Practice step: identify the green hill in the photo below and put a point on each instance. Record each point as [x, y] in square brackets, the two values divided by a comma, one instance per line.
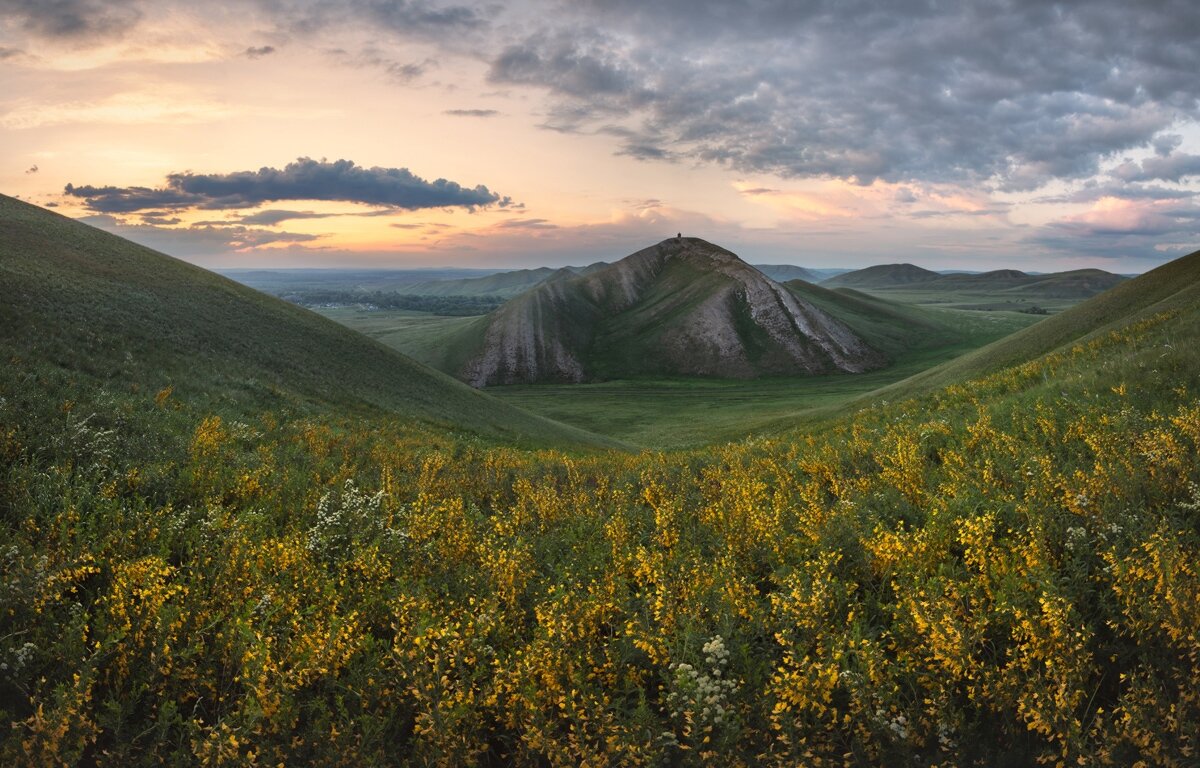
[1175, 285]
[89, 310]
[888, 326]
[1076, 284]
[882, 276]
[683, 307]
[999, 284]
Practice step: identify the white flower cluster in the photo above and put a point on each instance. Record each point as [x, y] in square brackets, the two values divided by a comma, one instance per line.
[700, 697]
[342, 516]
[1077, 539]
[898, 725]
[20, 658]
[946, 738]
[91, 446]
[243, 431]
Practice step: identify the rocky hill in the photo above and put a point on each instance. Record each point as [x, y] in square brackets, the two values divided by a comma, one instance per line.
[683, 307]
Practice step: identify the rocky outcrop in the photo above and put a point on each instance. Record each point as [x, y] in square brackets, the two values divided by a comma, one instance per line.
[681, 307]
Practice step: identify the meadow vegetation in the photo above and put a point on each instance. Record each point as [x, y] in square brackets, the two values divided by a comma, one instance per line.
[998, 572]
[994, 563]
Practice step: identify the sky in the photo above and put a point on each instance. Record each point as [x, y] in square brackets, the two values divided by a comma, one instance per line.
[420, 133]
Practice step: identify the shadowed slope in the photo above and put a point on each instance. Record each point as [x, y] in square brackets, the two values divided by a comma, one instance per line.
[84, 305]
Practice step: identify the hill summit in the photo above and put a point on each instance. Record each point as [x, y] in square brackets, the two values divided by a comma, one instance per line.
[683, 307]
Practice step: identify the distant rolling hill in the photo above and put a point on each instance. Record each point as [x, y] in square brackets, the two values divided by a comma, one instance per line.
[682, 307]
[781, 273]
[1173, 286]
[1079, 283]
[1076, 284]
[882, 276]
[505, 284]
[89, 310]
[502, 284]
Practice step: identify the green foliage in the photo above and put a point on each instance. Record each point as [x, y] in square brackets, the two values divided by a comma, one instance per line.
[1001, 571]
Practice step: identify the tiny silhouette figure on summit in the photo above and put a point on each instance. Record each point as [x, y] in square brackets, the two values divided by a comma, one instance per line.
[678, 235]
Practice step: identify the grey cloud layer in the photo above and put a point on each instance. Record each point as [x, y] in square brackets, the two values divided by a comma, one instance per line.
[1019, 93]
[305, 179]
[1015, 94]
[1174, 167]
[72, 19]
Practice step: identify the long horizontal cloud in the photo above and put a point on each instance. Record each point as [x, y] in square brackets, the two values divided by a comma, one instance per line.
[196, 240]
[305, 179]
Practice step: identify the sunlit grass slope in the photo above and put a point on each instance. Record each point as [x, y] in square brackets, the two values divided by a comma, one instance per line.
[82, 309]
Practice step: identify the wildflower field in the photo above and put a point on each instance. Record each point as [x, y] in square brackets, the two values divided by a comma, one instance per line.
[1004, 571]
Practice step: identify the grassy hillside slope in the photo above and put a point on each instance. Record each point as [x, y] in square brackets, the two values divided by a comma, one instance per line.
[1175, 285]
[85, 306]
[889, 326]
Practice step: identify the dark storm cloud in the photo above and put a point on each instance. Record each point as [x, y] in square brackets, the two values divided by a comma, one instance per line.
[1018, 94]
[471, 112]
[305, 179]
[1166, 144]
[259, 52]
[72, 19]
[406, 16]
[1091, 192]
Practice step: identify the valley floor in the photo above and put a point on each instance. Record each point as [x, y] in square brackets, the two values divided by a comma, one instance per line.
[672, 413]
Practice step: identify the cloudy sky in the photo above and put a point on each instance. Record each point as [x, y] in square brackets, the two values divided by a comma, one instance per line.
[427, 132]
